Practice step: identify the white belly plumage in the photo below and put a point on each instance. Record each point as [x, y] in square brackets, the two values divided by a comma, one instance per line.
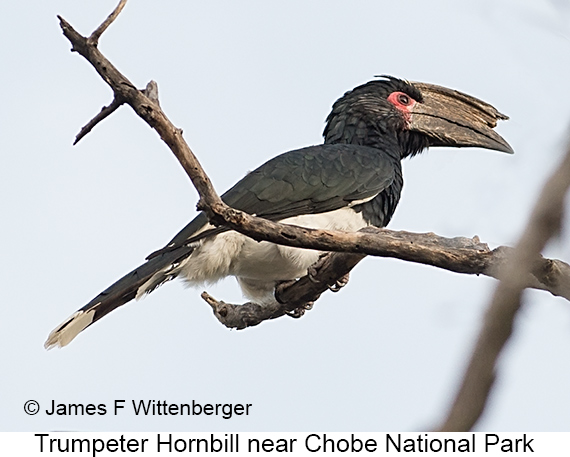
[259, 266]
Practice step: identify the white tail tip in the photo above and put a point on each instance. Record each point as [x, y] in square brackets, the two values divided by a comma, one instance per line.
[68, 330]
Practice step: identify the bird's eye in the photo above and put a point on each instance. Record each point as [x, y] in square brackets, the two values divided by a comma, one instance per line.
[403, 99]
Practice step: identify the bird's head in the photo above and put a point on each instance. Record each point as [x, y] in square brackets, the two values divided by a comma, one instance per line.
[415, 115]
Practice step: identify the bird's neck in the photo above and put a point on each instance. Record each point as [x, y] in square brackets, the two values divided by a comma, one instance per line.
[412, 143]
[349, 128]
[357, 131]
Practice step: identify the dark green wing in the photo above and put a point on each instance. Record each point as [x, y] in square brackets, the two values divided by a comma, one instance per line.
[311, 180]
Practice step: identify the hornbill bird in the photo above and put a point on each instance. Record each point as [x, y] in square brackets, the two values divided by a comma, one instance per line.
[351, 181]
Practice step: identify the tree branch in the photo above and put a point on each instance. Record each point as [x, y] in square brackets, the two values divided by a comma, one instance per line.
[544, 223]
[105, 112]
[94, 38]
[460, 255]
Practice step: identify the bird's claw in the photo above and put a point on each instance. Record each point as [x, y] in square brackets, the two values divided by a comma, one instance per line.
[339, 283]
[300, 311]
[313, 271]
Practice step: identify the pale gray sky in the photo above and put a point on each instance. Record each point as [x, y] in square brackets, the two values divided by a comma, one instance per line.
[246, 81]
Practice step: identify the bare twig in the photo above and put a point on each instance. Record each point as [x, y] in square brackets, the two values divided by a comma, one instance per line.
[106, 111]
[151, 91]
[544, 223]
[94, 38]
[242, 316]
[146, 108]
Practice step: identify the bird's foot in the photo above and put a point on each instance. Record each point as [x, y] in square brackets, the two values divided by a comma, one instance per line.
[297, 312]
[313, 270]
[300, 311]
[283, 285]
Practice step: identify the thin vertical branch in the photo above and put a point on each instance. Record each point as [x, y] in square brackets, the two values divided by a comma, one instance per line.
[544, 223]
[94, 38]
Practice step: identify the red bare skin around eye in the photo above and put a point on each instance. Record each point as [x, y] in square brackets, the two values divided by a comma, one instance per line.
[403, 102]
